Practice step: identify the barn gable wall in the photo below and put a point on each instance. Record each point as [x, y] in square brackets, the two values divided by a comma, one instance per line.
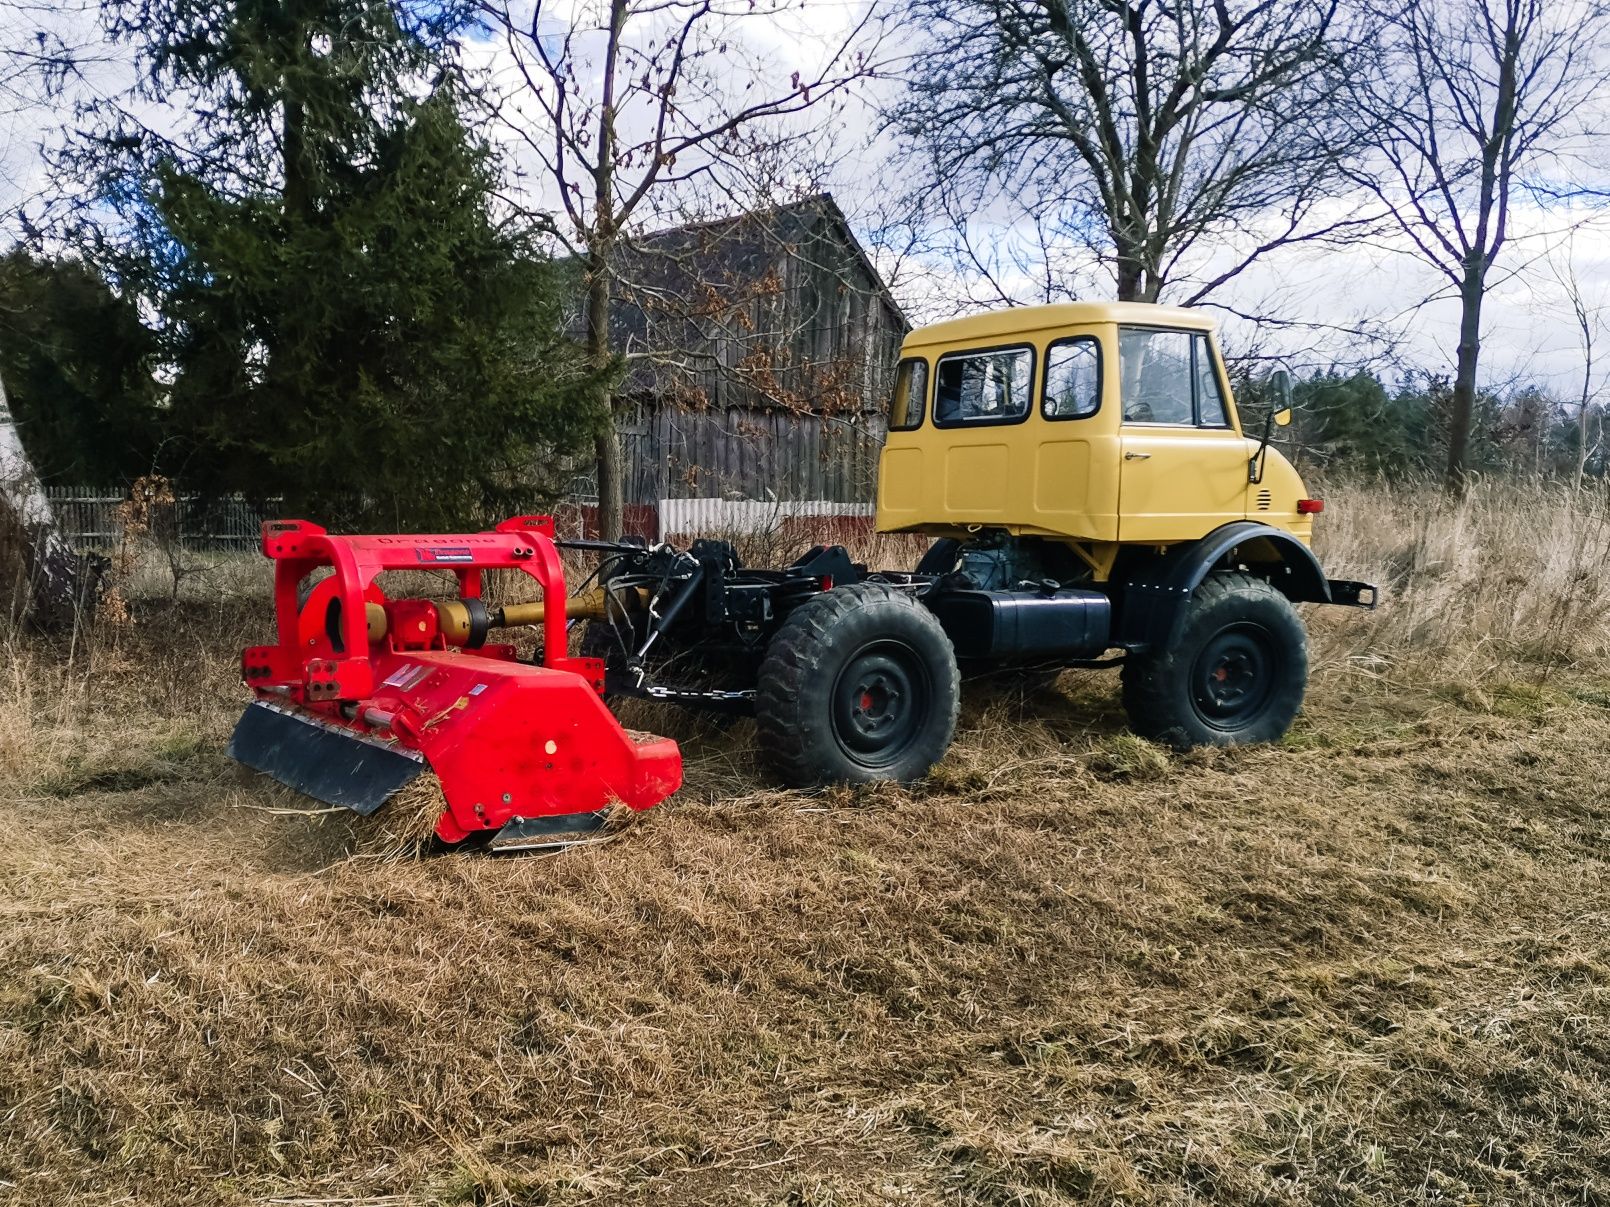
[759, 352]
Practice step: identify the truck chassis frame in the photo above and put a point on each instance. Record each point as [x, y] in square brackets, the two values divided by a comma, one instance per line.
[695, 627]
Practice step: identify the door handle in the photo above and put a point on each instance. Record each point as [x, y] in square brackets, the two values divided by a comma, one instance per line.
[1137, 456]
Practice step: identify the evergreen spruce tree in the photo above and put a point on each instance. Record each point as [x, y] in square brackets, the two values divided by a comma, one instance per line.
[76, 363]
[349, 321]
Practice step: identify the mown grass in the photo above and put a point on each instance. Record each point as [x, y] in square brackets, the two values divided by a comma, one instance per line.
[1368, 965]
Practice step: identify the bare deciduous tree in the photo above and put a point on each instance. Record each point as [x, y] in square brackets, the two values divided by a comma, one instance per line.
[48, 47]
[1592, 328]
[1470, 105]
[1157, 135]
[638, 99]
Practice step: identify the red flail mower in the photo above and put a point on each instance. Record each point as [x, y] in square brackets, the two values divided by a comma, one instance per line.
[363, 693]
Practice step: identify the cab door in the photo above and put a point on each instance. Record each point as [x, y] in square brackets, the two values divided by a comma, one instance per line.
[1076, 455]
[1184, 466]
[982, 400]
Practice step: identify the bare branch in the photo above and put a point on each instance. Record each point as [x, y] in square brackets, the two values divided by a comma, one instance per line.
[1172, 128]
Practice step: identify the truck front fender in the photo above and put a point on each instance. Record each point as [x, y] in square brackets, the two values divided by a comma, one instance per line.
[1151, 600]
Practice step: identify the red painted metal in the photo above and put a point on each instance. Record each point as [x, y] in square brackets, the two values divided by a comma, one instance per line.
[506, 739]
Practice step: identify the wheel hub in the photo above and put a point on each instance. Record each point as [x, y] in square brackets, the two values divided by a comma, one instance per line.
[1232, 681]
[879, 700]
[879, 703]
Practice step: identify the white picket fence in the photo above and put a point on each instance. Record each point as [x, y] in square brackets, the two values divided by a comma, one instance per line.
[87, 518]
[681, 518]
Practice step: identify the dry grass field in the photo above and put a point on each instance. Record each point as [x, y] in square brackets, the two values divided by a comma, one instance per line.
[1369, 965]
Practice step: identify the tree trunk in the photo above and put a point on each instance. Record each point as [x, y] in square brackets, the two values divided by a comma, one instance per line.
[1584, 407]
[1129, 277]
[1581, 443]
[296, 199]
[1138, 280]
[600, 287]
[50, 584]
[607, 445]
[1464, 384]
[611, 487]
[283, 384]
[1129, 265]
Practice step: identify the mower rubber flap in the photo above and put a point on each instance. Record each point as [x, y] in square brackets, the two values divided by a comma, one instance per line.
[332, 765]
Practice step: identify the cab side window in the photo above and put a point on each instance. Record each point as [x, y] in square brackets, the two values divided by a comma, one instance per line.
[1072, 378]
[909, 396]
[1155, 376]
[1168, 377]
[983, 387]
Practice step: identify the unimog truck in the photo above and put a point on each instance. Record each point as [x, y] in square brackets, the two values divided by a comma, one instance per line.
[1094, 500]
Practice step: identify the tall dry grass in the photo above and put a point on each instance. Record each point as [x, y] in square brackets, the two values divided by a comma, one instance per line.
[1366, 966]
[1510, 581]
[1511, 578]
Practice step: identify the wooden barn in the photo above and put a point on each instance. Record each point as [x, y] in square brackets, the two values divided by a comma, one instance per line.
[760, 351]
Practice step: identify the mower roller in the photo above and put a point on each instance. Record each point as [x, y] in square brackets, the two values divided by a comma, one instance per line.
[363, 693]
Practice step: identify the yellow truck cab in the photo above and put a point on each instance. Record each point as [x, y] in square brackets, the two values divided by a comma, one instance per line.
[1097, 424]
[1092, 488]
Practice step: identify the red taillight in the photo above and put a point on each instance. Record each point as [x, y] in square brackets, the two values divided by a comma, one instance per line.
[1310, 506]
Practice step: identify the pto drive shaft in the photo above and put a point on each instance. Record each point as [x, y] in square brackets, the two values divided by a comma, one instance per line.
[464, 622]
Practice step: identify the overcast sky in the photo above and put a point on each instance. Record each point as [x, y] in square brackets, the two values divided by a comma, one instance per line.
[1529, 332]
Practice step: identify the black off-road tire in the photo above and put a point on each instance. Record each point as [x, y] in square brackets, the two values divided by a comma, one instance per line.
[940, 557]
[598, 640]
[1235, 674]
[859, 684]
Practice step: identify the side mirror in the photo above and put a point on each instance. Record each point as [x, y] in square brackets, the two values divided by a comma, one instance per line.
[1280, 382]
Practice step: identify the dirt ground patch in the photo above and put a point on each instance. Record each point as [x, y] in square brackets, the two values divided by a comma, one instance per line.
[1370, 965]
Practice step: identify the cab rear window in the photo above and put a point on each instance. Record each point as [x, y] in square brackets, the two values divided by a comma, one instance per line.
[910, 395]
[991, 386]
[1072, 387]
